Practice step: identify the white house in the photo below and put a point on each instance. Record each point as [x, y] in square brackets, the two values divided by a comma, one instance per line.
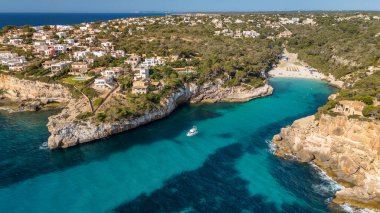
[41, 35]
[60, 48]
[13, 61]
[118, 53]
[60, 66]
[79, 55]
[98, 53]
[6, 54]
[113, 72]
[143, 73]
[83, 28]
[69, 41]
[61, 34]
[38, 43]
[106, 44]
[51, 41]
[15, 41]
[80, 67]
[309, 21]
[64, 27]
[151, 62]
[90, 39]
[133, 60]
[16, 65]
[250, 34]
[103, 82]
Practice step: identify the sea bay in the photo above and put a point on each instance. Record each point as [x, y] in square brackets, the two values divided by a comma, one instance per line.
[227, 167]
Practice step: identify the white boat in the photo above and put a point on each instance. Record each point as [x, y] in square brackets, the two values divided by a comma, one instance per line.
[193, 131]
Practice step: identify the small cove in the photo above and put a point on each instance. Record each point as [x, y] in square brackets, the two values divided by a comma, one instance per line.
[227, 167]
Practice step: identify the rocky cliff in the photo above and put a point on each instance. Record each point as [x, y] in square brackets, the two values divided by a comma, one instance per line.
[20, 89]
[347, 149]
[66, 131]
[215, 92]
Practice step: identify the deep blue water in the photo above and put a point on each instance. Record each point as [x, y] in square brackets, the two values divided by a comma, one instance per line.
[38, 19]
[227, 167]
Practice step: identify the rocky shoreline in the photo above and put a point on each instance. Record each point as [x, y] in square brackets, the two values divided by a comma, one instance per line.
[66, 131]
[348, 150]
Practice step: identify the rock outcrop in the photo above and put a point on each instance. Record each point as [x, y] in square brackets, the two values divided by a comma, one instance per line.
[215, 92]
[347, 149]
[23, 90]
[67, 131]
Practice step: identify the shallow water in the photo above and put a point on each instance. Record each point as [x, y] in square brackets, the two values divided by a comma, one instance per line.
[227, 167]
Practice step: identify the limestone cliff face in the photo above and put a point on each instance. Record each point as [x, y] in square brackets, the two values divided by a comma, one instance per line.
[214, 92]
[20, 90]
[347, 149]
[66, 131]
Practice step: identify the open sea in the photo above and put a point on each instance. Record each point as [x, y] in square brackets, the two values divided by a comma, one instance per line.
[38, 19]
[227, 167]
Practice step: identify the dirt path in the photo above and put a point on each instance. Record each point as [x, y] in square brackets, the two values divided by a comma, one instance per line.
[107, 97]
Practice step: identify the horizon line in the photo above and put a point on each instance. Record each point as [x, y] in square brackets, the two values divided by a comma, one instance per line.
[182, 12]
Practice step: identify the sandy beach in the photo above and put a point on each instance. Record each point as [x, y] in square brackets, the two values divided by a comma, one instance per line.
[291, 67]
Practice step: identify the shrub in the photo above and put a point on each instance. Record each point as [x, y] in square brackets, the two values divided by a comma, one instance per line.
[365, 99]
[84, 115]
[372, 111]
[324, 109]
[101, 117]
[98, 101]
[2, 91]
[90, 92]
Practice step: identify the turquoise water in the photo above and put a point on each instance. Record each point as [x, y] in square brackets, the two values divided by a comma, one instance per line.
[227, 167]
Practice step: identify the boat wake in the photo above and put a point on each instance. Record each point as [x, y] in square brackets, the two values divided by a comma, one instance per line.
[44, 146]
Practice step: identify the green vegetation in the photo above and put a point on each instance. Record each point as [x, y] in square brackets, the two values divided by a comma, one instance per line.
[2, 92]
[108, 61]
[339, 48]
[97, 102]
[346, 49]
[101, 117]
[89, 92]
[365, 90]
[212, 56]
[84, 115]
[325, 109]
[372, 111]
[337, 45]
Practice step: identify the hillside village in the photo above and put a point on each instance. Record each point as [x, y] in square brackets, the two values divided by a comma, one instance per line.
[103, 78]
[76, 48]
[153, 55]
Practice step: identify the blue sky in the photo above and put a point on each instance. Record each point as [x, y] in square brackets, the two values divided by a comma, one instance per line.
[183, 5]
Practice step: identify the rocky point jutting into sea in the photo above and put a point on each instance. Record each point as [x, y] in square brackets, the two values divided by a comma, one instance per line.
[67, 131]
[347, 149]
